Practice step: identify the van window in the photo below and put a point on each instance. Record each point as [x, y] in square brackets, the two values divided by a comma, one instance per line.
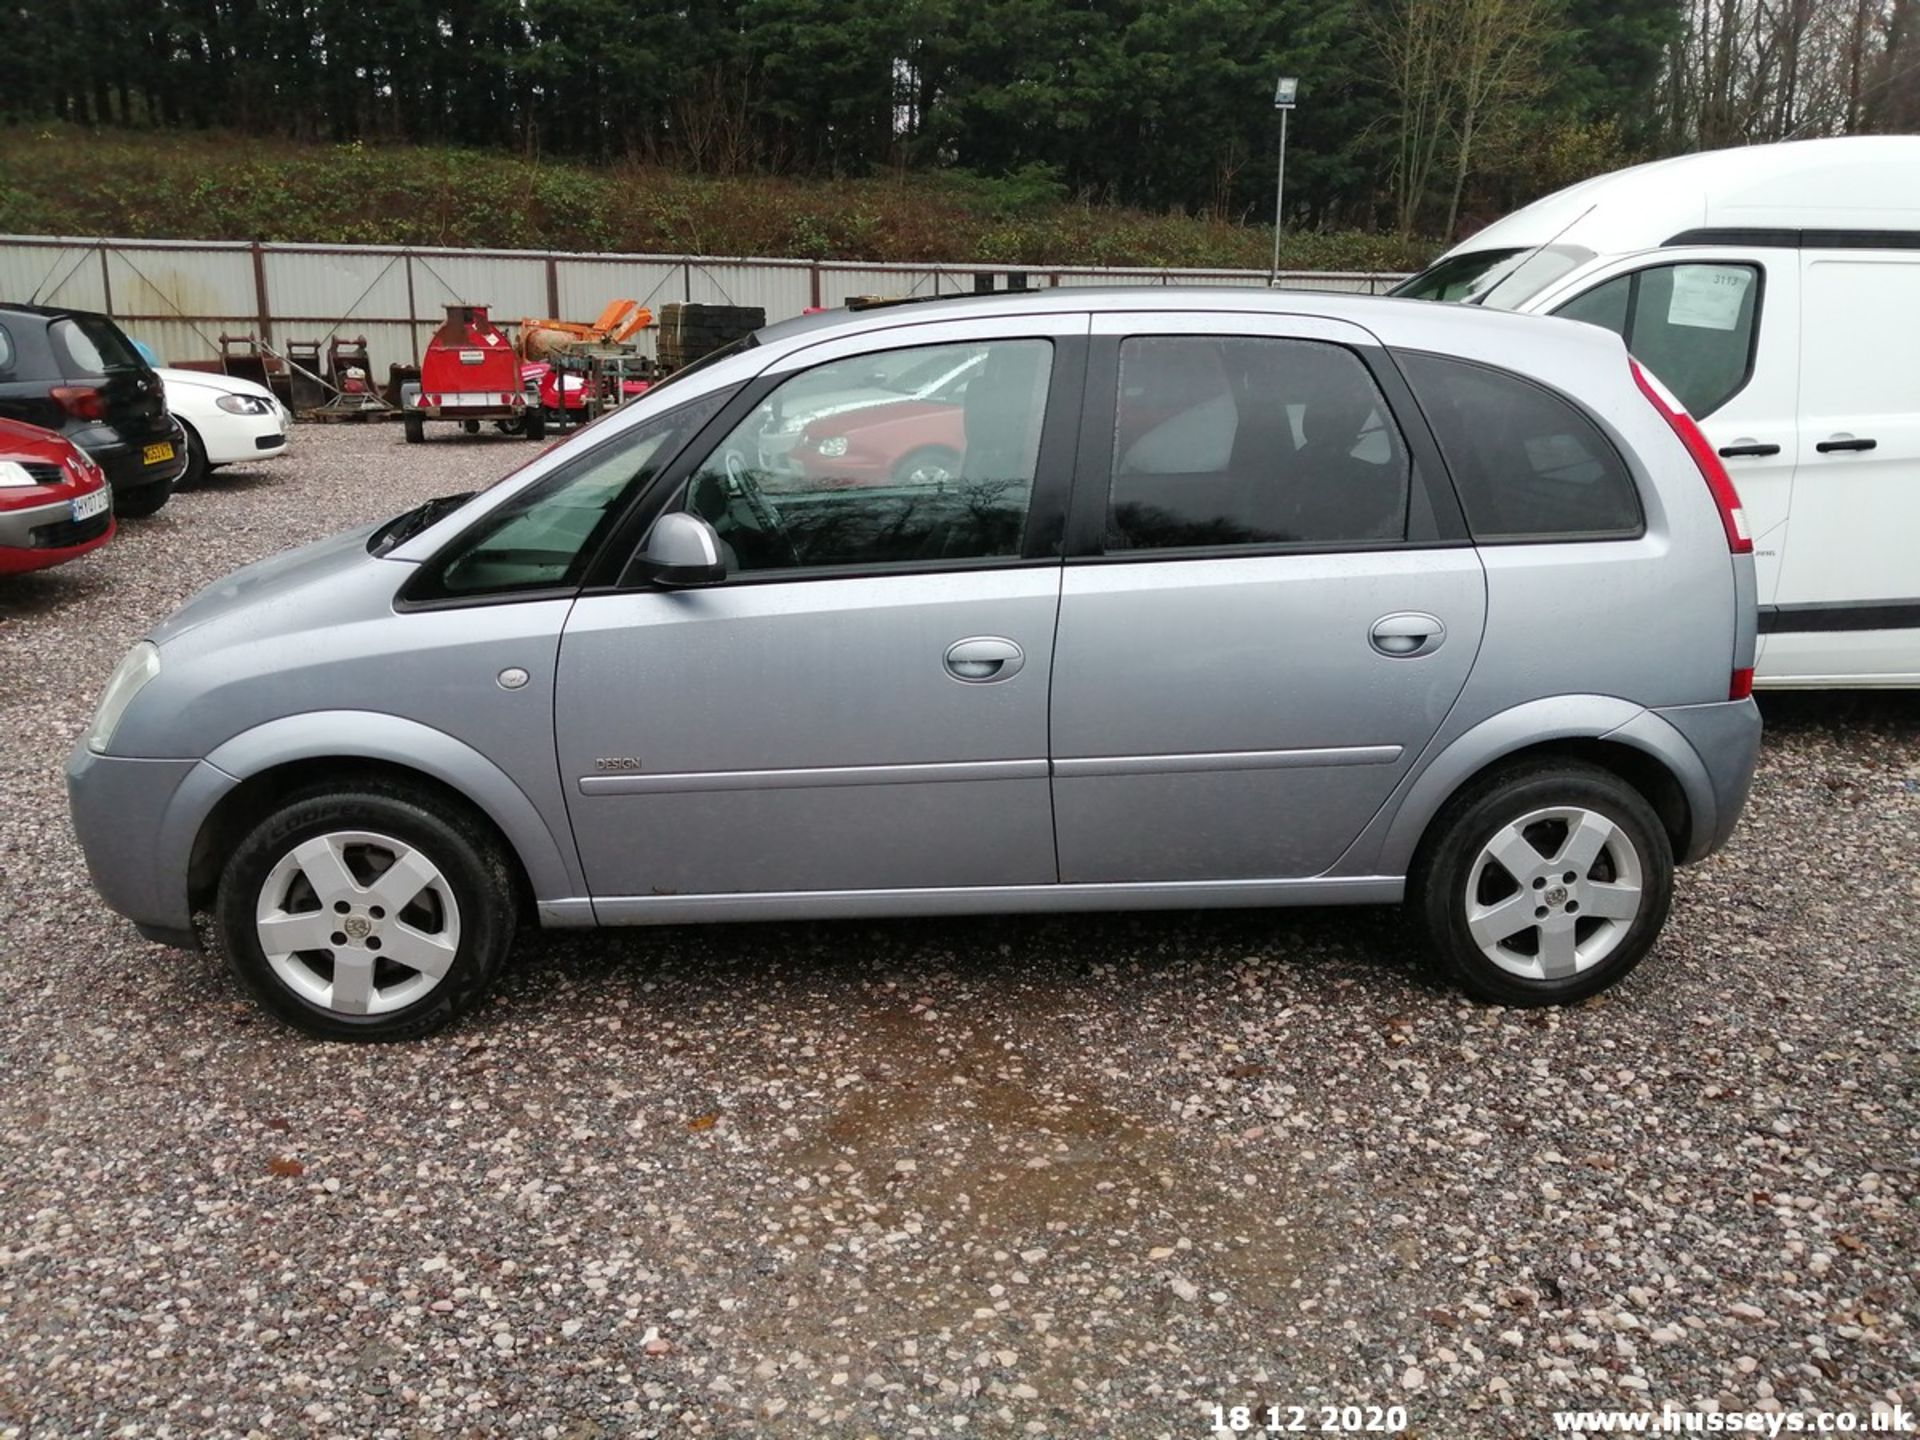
[1691, 324]
[1527, 464]
[1251, 441]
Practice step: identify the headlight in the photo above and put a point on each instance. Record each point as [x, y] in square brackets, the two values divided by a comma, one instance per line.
[834, 446]
[12, 473]
[244, 404]
[142, 663]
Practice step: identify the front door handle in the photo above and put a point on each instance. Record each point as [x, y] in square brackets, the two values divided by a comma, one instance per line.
[1747, 447]
[1409, 633]
[1844, 442]
[981, 658]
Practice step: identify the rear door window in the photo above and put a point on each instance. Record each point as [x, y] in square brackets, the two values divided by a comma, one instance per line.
[1251, 441]
[92, 345]
[1527, 463]
[1691, 324]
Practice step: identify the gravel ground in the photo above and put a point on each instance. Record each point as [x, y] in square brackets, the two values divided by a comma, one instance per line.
[1067, 1176]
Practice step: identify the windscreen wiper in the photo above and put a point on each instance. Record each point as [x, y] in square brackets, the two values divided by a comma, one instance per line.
[409, 523]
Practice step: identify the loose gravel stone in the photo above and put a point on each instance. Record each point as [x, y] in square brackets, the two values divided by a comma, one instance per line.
[1066, 1176]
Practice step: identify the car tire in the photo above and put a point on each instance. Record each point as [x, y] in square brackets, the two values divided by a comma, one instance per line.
[197, 466]
[1497, 859]
[142, 500]
[287, 880]
[416, 428]
[929, 465]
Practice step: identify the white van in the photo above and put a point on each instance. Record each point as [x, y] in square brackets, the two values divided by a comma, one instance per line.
[1776, 291]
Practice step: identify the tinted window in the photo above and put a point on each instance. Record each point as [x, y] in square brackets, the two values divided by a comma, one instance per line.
[544, 537]
[93, 345]
[834, 471]
[1692, 325]
[1528, 465]
[1246, 441]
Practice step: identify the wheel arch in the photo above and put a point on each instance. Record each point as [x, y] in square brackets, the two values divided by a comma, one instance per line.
[282, 756]
[1628, 740]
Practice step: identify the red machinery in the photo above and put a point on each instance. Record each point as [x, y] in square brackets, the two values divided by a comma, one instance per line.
[470, 374]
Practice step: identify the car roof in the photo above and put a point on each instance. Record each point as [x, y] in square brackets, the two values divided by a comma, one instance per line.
[1418, 324]
[46, 312]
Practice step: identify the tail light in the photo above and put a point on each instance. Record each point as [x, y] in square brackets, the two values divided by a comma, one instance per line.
[82, 402]
[1733, 515]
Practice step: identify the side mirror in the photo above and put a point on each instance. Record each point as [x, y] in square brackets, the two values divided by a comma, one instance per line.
[682, 550]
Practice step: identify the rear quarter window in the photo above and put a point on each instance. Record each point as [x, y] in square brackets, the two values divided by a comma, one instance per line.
[1527, 464]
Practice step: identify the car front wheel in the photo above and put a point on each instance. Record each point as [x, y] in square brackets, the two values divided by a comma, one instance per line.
[369, 914]
[1545, 883]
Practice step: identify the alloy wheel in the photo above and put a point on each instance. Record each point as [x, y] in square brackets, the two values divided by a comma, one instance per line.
[1554, 893]
[358, 923]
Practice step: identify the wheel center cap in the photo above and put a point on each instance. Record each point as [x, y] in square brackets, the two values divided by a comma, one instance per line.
[357, 927]
[1556, 895]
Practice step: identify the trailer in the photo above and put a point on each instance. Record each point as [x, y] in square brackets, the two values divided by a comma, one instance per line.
[470, 374]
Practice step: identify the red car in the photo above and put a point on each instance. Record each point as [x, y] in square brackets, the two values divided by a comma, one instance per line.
[55, 504]
[906, 442]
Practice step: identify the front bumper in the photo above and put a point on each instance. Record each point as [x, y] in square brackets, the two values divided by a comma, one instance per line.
[1726, 737]
[241, 439]
[137, 821]
[50, 525]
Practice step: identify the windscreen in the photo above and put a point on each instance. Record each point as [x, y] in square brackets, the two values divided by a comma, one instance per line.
[1458, 277]
[1503, 279]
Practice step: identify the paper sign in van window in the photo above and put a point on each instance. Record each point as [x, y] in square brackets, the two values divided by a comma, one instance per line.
[1708, 297]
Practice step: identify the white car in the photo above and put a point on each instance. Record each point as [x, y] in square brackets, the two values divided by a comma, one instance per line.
[228, 421]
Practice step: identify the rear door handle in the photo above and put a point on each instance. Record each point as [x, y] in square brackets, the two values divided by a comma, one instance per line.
[1747, 447]
[1844, 442]
[1406, 634]
[981, 658]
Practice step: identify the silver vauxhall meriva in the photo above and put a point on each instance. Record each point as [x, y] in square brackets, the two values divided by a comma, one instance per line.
[1181, 598]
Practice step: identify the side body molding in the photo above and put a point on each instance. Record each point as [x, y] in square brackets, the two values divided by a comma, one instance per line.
[548, 855]
[1387, 845]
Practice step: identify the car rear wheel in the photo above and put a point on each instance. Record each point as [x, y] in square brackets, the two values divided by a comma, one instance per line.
[368, 914]
[929, 465]
[1545, 883]
[141, 501]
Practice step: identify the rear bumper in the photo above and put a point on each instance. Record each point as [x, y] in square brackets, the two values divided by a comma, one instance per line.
[1726, 739]
[136, 821]
[126, 466]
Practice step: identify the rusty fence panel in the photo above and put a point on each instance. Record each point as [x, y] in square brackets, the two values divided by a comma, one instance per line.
[182, 296]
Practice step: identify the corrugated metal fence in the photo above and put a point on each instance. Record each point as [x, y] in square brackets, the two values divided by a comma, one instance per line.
[181, 296]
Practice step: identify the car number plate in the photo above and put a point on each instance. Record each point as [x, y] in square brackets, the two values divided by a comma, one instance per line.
[88, 506]
[158, 454]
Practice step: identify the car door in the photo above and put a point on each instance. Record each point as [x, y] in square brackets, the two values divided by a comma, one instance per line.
[1268, 605]
[1848, 604]
[862, 704]
[1720, 327]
